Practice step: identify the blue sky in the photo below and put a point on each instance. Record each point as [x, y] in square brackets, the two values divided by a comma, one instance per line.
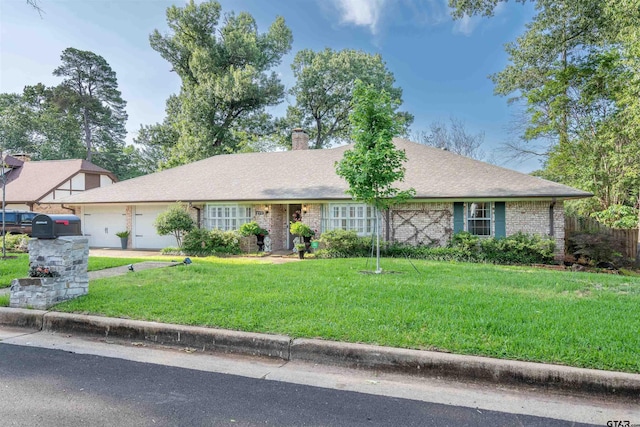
[442, 65]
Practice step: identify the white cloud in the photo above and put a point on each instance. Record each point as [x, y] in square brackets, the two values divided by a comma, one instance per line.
[362, 13]
[466, 25]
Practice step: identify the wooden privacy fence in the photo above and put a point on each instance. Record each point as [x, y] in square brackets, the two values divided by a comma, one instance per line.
[627, 237]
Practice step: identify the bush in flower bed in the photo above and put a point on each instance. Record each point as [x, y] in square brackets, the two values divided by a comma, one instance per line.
[201, 242]
[16, 242]
[519, 248]
[464, 247]
[343, 244]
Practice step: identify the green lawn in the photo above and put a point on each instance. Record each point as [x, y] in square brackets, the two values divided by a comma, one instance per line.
[578, 319]
[13, 268]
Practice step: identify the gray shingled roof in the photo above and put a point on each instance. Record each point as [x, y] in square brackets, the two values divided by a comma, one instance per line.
[28, 182]
[310, 175]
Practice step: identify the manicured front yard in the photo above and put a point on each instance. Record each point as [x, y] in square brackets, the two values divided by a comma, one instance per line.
[578, 319]
[17, 267]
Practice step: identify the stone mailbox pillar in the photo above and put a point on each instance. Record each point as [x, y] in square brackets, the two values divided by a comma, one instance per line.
[57, 270]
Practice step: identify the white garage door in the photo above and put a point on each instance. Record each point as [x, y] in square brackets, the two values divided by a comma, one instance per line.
[145, 235]
[101, 223]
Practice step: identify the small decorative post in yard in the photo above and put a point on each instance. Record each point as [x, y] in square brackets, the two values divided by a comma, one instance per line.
[57, 264]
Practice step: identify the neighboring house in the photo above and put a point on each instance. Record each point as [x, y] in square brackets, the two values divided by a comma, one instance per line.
[39, 185]
[453, 193]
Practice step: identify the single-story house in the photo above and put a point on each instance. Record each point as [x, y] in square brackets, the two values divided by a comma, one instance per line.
[453, 193]
[40, 185]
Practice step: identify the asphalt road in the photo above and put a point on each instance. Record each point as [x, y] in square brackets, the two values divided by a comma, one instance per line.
[45, 387]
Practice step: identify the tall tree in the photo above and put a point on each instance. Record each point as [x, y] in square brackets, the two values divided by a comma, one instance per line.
[453, 137]
[225, 72]
[324, 92]
[94, 86]
[39, 122]
[572, 68]
[374, 164]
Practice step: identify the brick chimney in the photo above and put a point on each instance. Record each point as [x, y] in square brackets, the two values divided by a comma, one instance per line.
[299, 139]
[23, 157]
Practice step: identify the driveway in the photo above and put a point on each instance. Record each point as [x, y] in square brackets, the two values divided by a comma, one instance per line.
[128, 253]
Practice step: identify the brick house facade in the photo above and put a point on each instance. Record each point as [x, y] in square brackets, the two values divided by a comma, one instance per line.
[452, 193]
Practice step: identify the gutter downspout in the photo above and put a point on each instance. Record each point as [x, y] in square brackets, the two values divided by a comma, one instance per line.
[198, 214]
[551, 219]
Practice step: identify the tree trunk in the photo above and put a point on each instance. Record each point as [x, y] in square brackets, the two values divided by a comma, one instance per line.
[378, 269]
[87, 135]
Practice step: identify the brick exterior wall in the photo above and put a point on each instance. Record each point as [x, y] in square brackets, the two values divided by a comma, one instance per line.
[421, 223]
[417, 223]
[313, 217]
[50, 208]
[432, 223]
[533, 218]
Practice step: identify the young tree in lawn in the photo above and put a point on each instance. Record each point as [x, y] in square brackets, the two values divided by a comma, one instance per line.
[175, 220]
[374, 164]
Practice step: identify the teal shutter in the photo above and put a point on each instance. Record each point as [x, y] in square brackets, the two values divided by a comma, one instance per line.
[458, 217]
[501, 223]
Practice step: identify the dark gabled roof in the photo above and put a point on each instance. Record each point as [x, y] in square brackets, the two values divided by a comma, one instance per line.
[310, 175]
[29, 182]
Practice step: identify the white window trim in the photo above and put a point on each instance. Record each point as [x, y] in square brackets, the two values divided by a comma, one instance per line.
[358, 217]
[227, 221]
[469, 219]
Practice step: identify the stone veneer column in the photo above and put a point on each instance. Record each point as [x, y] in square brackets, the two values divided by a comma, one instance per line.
[67, 258]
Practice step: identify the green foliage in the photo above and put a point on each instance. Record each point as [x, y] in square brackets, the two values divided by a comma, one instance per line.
[171, 250]
[374, 164]
[301, 229]
[226, 79]
[465, 241]
[575, 71]
[41, 121]
[83, 117]
[596, 247]
[618, 216]
[175, 220]
[123, 234]
[343, 244]
[252, 229]
[519, 248]
[403, 250]
[519, 313]
[324, 93]
[464, 247]
[201, 242]
[16, 242]
[93, 90]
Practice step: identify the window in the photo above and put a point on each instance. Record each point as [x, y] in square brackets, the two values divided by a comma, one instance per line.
[226, 217]
[9, 217]
[27, 218]
[357, 217]
[479, 218]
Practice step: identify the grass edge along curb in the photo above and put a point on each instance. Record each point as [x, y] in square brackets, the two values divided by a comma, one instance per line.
[415, 362]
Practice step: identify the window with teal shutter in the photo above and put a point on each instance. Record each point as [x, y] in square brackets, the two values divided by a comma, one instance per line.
[458, 217]
[501, 227]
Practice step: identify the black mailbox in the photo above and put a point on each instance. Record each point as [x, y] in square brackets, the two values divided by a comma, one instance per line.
[53, 226]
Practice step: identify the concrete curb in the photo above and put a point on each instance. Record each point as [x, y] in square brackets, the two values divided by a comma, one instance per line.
[205, 339]
[414, 362]
[498, 371]
[22, 318]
